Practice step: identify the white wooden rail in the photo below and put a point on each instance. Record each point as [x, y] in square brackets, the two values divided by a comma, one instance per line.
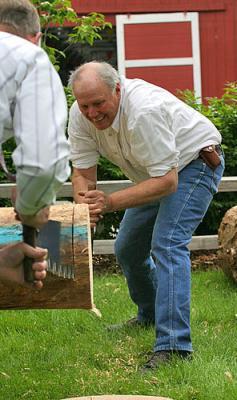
[206, 242]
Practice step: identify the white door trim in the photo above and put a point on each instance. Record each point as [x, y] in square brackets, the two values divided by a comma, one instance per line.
[192, 17]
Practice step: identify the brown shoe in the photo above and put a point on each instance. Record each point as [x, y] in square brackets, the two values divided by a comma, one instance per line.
[159, 358]
[131, 323]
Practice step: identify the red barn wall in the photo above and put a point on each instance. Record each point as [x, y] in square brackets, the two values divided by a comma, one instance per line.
[218, 32]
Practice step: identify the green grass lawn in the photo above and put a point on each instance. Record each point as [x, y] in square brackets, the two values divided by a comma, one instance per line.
[59, 354]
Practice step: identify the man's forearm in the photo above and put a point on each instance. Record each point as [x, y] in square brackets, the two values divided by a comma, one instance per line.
[82, 181]
[144, 192]
[147, 191]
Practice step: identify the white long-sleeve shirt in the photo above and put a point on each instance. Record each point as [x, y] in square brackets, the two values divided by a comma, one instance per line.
[152, 133]
[33, 109]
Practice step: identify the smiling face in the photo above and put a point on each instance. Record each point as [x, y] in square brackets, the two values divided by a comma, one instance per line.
[96, 100]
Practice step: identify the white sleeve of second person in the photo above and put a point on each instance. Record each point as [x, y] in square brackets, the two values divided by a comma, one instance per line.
[42, 152]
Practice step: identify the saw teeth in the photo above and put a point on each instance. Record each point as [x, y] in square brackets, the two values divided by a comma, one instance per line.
[63, 271]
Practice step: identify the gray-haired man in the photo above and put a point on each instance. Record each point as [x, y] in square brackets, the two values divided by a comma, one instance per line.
[172, 153]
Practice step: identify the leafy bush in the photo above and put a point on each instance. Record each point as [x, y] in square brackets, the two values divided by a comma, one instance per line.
[223, 113]
[60, 12]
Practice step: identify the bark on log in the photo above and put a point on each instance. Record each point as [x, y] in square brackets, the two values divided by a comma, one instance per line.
[75, 249]
[227, 236]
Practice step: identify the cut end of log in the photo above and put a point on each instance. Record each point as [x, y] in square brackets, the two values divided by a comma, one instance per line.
[75, 252]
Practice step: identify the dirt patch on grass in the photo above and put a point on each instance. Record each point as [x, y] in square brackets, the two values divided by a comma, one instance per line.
[201, 260]
[204, 260]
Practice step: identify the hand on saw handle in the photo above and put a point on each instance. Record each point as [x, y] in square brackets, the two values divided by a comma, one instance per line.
[35, 221]
[30, 225]
[11, 264]
[98, 202]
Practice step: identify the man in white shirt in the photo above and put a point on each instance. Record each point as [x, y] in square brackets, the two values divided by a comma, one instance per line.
[157, 141]
[33, 110]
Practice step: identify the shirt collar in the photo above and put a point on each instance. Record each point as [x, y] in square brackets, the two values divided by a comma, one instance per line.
[116, 122]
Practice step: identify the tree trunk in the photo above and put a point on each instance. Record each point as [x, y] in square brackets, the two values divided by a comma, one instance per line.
[227, 236]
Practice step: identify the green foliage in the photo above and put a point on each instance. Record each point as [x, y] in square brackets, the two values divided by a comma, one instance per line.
[109, 171]
[223, 113]
[69, 95]
[8, 148]
[88, 29]
[59, 12]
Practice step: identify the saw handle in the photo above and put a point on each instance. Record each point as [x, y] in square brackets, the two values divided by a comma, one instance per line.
[29, 237]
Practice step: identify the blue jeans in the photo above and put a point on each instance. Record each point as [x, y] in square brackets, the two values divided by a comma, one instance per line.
[152, 250]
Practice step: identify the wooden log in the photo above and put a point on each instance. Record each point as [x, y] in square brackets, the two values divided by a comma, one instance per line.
[227, 237]
[118, 397]
[75, 249]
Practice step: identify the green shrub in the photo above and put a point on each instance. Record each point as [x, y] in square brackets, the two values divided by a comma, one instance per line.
[86, 29]
[223, 113]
